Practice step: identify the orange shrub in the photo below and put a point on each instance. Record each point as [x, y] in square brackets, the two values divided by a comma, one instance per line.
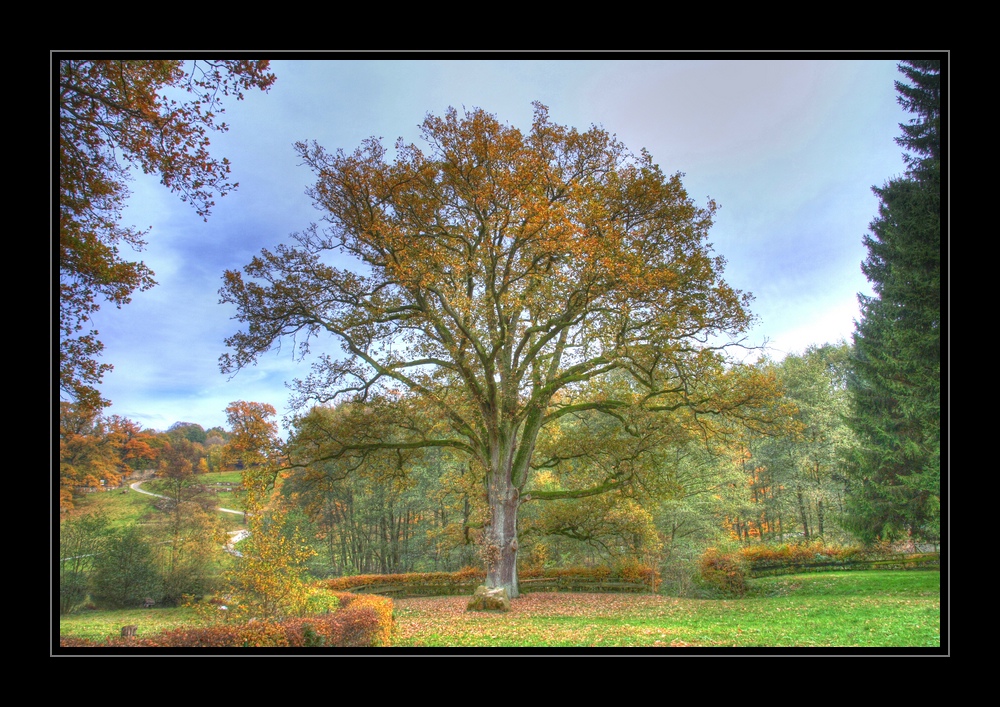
[759, 556]
[724, 572]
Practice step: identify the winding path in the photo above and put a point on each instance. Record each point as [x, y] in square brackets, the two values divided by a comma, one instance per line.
[234, 535]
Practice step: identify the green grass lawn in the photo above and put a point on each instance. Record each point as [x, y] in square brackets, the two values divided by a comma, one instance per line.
[827, 610]
[120, 508]
[98, 625]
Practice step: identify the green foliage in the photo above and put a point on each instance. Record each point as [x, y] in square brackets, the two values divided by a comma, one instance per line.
[896, 378]
[608, 528]
[796, 480]
[191, 431]
[268, 581]
[190, 552]
[186, 540]
[321, 602]
[81, 541]
[125, 572]
[382, 512]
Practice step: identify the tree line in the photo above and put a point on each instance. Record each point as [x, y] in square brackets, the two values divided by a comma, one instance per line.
[679, 489]
[99, 452]
[170, 554]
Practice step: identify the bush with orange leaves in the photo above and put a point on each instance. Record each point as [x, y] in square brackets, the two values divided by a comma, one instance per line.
[760, 558]
[725, 572]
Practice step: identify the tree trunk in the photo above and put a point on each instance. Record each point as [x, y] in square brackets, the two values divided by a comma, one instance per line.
[803, 514]
[500, 537]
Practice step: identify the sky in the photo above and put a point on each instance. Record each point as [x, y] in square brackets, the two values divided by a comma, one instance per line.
[788, 148]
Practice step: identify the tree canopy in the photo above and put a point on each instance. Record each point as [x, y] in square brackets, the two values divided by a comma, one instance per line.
[896, 372]
[501, 282]
[116, 115]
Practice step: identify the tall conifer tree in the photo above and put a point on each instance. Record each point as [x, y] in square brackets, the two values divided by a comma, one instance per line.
[896, 378]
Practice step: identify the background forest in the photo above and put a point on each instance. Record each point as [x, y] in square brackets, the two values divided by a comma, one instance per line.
[744, 485]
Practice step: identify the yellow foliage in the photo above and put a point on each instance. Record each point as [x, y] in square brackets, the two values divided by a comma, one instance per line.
[268, 580]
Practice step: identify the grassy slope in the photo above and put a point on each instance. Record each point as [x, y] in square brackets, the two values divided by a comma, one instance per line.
[124, 508]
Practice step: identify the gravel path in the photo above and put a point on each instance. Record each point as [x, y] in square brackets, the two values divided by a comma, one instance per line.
[234, 535]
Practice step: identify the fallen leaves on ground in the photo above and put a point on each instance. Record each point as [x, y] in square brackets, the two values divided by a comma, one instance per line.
[615, 620]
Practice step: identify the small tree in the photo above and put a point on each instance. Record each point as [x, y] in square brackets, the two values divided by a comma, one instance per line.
[190, 545]
[81, 542]
[125, 572]
[86, 456]
[268, 579]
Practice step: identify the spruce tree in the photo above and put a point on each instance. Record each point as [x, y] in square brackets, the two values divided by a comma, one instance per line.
[895, 384]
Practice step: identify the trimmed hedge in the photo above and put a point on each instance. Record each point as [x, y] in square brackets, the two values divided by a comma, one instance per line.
[627, 577]
[761, 557]
[445, 581]
[728, 571]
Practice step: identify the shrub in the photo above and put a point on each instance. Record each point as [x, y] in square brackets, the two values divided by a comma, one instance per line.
[468, 575]
[631, 570]
[81, 540]
[125, 573]
[723, 572]
[357, 607]
[321, 601]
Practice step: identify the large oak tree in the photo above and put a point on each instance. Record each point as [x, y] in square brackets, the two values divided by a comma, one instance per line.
[498, 279]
